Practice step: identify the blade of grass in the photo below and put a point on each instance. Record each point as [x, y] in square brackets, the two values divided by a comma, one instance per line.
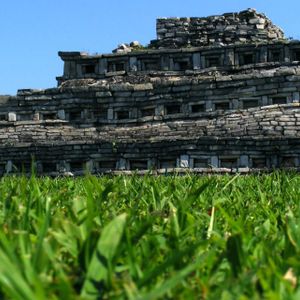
[102, 258]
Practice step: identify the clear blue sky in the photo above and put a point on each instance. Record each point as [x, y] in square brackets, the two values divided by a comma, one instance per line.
[33, 31]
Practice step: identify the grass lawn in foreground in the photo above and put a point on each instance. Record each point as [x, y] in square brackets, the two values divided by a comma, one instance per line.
[166, 237]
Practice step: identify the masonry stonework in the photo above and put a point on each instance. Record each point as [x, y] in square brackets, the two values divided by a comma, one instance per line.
[216, 94]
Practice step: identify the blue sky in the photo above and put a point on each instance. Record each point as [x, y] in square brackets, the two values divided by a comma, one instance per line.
[33, 31]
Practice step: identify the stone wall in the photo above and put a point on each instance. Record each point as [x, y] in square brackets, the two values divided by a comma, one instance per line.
[159, 98]
[227, 123]
[229, 59]
[247, 26]
[200, 155]
[269, 122]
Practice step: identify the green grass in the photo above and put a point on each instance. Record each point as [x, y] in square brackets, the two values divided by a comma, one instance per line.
[167, 237]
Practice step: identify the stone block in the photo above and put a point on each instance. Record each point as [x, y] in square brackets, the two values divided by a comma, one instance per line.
[151, 163]
[196, 61]
[67, 69]
[244, 161]
[209, 105]
[159, 110]
[184, 161]
[12, 117]
[9, 166]
[89, 166]
[102, 66]
[265, 100]
[103, 94]
[263, 54]
[36, 116]
[63, 166]
[133, 113]
[72, 69]
[61, 114]
[236, 104]
[133, 67]
[122, 164]
[229, 57]
[273, 161]
[165, 63]
[296, 97]
[143, 87]
[261, 26]
[171, 64]
[183, 88]
[121, 87]
[214, 162]
[79, 71]
[38, 166]
[110, 114]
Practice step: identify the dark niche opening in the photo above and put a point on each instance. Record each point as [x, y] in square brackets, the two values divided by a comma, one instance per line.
[49, 116]
[106, 165]
[111, 67]
[138, 165]
[198, 108]
[287, 162]
[100, 113]
[24, 117]
[120, 67]
[77, 165]
[213, 61]
[275, 56]
[148, 112]
[116, 66]
[75, 115]
[2, 168]
[21, 167]
[49, 167]
[279, 100]
[250, 103]
[122, 115]
[151, 65]
[172, 109]
[167, 164]
[3, 117]
[182, 65]
[247, 59]
[258, 162]
[89, 69]
[297, 55]
[229, 162]
[222, 105]
[200, 162]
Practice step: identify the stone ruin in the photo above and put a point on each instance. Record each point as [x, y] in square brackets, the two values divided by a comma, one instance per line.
[217, 94]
